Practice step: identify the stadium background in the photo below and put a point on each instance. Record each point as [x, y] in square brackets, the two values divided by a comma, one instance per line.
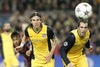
[59, 14]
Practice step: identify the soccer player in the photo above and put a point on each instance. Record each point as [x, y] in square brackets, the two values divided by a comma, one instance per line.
[27, 48]
[41, 36]
[6, 43]
[76, 40]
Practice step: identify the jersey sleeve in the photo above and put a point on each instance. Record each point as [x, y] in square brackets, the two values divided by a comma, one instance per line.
[27, 44]
[26, 32]
[66, 46]
[87, 45]
[50, 33]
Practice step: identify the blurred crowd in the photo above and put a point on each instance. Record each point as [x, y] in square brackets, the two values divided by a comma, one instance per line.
[59, 14]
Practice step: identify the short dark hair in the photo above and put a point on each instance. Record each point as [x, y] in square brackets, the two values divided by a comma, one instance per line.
[82, 20]
[35, 14]
[15, 34]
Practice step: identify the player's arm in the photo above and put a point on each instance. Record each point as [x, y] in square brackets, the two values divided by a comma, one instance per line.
[88, 46]
[29, 46]
[54, 39]
[88, 42]
[24, 40]
[67, 45]
[54, 44]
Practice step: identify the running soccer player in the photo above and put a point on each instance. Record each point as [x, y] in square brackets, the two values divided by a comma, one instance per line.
[41, 36]
[76, 40]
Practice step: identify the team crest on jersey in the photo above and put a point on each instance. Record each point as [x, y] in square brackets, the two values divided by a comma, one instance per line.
[44, 35]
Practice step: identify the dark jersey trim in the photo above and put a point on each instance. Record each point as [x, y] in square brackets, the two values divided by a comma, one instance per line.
[26, 32]
[1, 47]
[90, 34]
[50, 35]
[88, 43]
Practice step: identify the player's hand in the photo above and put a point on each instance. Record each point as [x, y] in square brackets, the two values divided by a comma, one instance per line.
[15, 50]
[19, 48]
[48, 57]
[90, 49]
[69, 65]
[28, 52]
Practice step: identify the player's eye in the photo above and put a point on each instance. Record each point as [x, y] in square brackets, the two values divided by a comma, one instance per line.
[38, 19]
[33, 20]
[85, 27]
[81, 27]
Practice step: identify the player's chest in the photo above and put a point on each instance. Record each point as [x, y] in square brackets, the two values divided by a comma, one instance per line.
[40, 37]
[81, 42]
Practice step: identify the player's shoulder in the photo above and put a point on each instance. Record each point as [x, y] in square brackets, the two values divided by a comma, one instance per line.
[49, 28]
[89, 32]
[70, 35]
[28, 27]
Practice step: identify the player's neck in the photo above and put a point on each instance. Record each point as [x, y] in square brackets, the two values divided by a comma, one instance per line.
[7, 32]
[37, 30]
[79, 34]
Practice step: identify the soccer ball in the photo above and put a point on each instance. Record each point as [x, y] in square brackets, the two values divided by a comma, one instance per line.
[83, 10]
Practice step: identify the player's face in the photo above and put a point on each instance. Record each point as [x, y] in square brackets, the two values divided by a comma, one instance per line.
[7, 27]
[16, 41]
[35, 21]
[82, 29]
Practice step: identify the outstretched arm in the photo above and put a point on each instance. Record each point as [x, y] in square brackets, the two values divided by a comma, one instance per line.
[24, 40]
